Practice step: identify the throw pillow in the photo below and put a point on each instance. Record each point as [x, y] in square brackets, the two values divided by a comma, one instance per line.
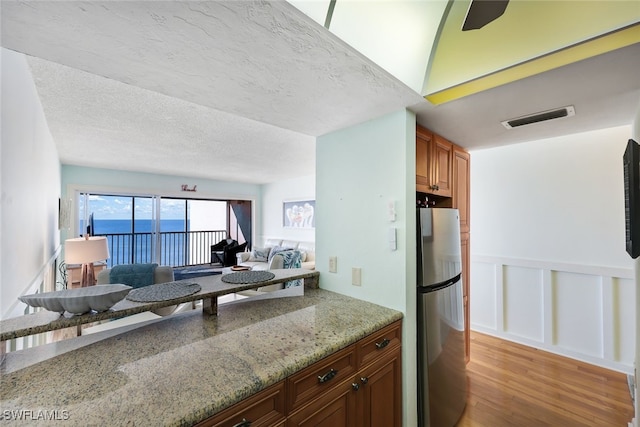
[292, 259]
[260, 254]
[275, 250]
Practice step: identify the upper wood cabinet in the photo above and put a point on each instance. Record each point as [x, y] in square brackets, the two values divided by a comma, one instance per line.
[433, 163]
[461, 185]
[424, 142]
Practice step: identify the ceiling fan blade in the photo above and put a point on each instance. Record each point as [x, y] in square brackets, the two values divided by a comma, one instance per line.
[481, 12]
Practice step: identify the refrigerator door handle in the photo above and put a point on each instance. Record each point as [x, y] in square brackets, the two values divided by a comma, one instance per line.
[440, 285]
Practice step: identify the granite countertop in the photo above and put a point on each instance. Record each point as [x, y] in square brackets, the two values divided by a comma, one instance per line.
[184, 368]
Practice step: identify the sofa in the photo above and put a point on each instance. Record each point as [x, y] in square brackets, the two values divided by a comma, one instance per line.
[262, 257]
[272, 257]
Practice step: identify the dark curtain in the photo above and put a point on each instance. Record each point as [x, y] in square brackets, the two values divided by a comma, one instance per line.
[242, 211]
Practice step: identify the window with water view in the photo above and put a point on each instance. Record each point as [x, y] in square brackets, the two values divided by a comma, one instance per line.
[167, 231]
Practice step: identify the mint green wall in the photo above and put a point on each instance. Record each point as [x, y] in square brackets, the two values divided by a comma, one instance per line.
[125, 182]
[359, 171]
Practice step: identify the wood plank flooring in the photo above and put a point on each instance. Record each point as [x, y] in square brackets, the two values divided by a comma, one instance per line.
[515, 385]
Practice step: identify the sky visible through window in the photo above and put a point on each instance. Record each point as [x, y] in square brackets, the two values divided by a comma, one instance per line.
[118, 209]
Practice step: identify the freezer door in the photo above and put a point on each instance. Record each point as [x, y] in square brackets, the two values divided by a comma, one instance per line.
[439, 256]
[441, 365]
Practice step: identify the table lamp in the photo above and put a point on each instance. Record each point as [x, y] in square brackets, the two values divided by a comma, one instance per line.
[86, 250]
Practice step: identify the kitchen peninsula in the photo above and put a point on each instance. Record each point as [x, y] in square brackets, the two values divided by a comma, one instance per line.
[182, 369]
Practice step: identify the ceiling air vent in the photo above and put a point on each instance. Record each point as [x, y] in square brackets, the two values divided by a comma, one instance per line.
[539, 117]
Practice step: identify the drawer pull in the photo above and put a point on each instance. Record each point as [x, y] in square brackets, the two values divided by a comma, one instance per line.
[382, 344]
[355, 386]
[326, 377]
[364, 380]
[243, 423]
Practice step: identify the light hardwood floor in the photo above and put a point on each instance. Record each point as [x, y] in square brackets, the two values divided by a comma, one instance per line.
[515, 385]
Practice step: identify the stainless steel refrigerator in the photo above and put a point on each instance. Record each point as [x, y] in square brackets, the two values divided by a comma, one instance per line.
[442, 383]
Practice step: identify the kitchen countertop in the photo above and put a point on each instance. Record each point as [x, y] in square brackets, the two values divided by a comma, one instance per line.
[181, 369]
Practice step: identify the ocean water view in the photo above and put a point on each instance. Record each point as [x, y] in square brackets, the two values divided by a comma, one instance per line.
[116, 226]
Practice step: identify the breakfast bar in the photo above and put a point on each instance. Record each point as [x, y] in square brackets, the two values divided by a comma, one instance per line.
[212, 287]
[184, 368]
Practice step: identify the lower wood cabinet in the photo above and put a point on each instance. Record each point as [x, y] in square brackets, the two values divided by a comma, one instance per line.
[264, 409]
[358, 386]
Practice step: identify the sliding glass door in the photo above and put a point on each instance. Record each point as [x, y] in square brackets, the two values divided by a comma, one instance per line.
[164, 230]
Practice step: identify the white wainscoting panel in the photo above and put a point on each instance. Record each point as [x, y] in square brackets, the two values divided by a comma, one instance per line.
[523, 302]
[483, 308]
[584, 312]
[623, 322]
[577, 312]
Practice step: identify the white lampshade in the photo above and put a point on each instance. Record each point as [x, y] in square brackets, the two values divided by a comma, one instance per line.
[82, 251]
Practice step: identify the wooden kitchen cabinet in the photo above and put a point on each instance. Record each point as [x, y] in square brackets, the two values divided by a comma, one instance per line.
[464, 248]
[424, 142]
[434, 158]
[335, 407]
[461, 184]
[461, 201]
[265, 408]
[358, 386]
[442, 170]
[380, 394]
[370, 397]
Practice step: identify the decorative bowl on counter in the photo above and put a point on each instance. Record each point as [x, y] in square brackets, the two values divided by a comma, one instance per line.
[79, 301]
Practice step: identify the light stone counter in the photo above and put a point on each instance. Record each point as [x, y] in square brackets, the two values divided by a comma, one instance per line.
[179, 370]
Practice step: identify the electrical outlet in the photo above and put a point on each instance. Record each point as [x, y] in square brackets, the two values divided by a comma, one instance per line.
[356, 276]
[333, 264]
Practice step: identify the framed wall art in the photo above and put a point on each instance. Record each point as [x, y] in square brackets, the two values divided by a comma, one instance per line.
[299, 214]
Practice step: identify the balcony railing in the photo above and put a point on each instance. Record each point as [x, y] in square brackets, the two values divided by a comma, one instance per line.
[176, 248]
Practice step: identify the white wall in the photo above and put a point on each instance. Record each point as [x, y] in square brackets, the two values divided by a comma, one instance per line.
[549, 267]
[273, 196]
[30, 179]
[365, 167]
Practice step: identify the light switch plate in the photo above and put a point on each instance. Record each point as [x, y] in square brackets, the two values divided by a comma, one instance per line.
[356, 276]
[333, 264]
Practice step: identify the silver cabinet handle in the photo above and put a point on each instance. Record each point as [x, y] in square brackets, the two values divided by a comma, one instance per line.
[355, 386]
[328, 376]
[382, 344]
[243, 423]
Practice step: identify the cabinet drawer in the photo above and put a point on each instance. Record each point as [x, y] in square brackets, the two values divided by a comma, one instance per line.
[265, 408]
[379, 343]
[320, 377]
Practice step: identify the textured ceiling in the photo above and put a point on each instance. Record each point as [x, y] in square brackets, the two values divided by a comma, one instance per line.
[239, 90]
[215, 89]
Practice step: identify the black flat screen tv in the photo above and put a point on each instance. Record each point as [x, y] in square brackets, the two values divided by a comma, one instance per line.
[631, 162]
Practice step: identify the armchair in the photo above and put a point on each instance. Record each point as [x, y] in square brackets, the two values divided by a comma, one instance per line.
[224, 252]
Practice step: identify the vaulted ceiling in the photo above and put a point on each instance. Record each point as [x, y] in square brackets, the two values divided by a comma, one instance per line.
[239, 90]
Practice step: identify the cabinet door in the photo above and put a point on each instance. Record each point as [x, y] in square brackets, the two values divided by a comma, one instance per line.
[380, 393]
[461, 180]
[265, 408]
[441, 166]
[336, 408]
[464, 248]
[424, 140]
